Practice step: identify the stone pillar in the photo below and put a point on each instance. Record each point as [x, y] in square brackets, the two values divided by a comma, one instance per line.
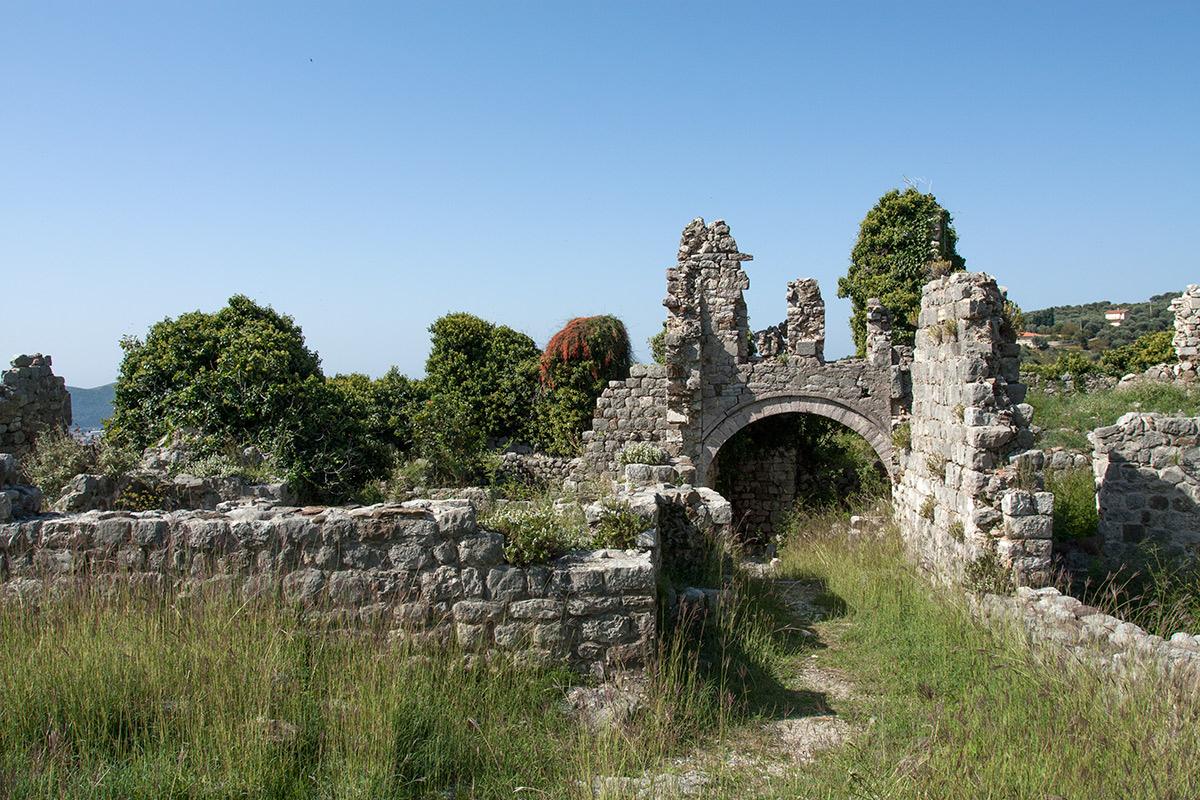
[1187, 326]
[805, 319]
[708, 332]
[879, 334]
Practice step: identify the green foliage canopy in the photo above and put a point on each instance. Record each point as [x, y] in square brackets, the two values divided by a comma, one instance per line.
[243, 376]
[905, 240]
[491, 370]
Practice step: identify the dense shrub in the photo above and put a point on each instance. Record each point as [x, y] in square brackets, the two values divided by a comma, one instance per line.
[535, 532]
[449, 440]
[489, 371]
[234, 372]
[1148, 351]
[244, 376]
[578, 363]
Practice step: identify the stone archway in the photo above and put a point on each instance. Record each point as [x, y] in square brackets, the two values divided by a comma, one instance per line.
[877, 434]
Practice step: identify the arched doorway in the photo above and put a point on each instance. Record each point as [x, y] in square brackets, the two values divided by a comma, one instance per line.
[785, 460]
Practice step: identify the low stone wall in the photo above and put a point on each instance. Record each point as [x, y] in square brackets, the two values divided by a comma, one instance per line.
[1084, 634]
[966, 484]
[32, 399]
[539, 468]
[1148, 486]
[425, 567]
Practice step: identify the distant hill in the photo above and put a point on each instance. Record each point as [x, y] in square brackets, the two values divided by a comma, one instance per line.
[90, 407]
[1145, 316]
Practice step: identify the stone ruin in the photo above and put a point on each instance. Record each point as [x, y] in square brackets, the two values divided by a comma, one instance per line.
[960, 386]
[1187, 331]
[32, 400]
[946, 417]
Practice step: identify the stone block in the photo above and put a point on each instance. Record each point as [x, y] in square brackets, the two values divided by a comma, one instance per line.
[1031, 527]
[536, 609]
[478, 611]
[605, 630]
[303, 585]
[443, 583]
[507, 583]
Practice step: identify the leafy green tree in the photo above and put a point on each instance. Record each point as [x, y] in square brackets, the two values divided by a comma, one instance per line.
[388, 405]
[490, 369]
[243, 376]
[234, 372]
[903, 242]
[578, 363]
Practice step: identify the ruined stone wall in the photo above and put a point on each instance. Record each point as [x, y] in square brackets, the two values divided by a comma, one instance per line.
[711, 387]
[762, 493]
[538, 468]
[1187, 328]
[426, 568]
[967, 483]
[1083, 634]
[32, 400]
[632, 410]
[1148, 486]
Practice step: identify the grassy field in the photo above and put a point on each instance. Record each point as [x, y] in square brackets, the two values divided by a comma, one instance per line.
[196, 698]
[1067, 418]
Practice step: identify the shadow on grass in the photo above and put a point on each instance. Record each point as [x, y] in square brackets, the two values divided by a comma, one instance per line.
[748, 649]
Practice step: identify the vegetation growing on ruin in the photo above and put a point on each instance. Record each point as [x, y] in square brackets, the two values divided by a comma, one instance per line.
[1066, 418]
[903, 242]
[576, 367]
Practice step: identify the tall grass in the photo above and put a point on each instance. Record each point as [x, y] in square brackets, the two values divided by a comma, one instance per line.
[1067, 418]
[206, 697]
[956, 711]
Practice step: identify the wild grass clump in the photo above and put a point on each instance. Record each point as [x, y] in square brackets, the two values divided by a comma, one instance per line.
[1067, 418]
[58, 456]
[116, 694]
[1075, 514]
[1161, 594]
[953, 710]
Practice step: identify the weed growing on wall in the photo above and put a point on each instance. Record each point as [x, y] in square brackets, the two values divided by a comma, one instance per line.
[618, 526]
[640, 453]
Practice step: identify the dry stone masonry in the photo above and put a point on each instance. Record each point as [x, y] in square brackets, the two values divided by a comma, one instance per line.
[32, 400]
[425, 568]
[711, 384]
[1148, 486]
[1083, 634]
[1187, 330]
[969, 485]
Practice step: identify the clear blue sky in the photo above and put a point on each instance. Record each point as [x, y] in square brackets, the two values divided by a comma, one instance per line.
[368, 167]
